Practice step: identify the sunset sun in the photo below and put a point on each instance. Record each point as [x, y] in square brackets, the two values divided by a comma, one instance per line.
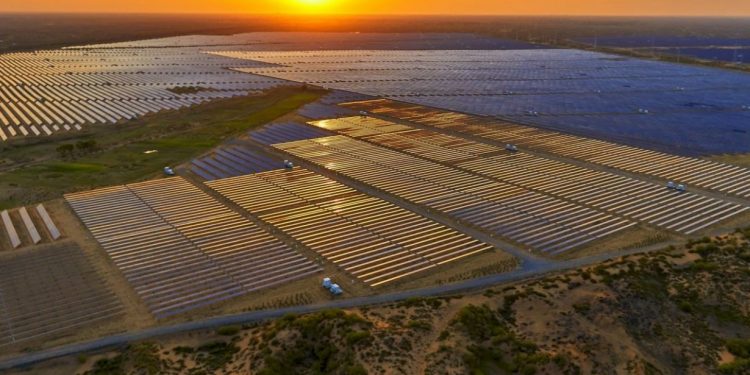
[313, 6]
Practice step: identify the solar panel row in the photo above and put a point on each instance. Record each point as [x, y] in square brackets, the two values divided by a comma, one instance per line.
[531, 219]
[635, 199]
[724, 178]
[371, 239]
[306, 41]
[180, 249]
[34, 227]
[285, 132]
[231, 161]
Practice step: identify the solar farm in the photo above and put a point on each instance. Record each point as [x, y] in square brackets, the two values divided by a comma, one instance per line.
[655, 105]
[427, 156]
[46, 92]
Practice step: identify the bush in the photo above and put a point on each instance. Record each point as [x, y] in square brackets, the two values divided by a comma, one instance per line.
[686, 306]
[738, 366]
[108, 366]
[443, 335]
[357, 369]
[87, 147]
[65, 151]
[316, 346]
[356, 337]
[739, 347]
[703, 266]
[216, 355]
[420, 325]
[145, 358]
[183, 350]
[228, 330]
[479, 322]
[582, 308]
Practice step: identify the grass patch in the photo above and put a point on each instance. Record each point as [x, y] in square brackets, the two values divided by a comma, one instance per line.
[34, 172]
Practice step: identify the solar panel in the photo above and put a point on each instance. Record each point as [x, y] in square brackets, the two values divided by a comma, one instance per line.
[180, 249]
[374, 241]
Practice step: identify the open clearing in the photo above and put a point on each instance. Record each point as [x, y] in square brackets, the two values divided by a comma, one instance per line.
[37, 172]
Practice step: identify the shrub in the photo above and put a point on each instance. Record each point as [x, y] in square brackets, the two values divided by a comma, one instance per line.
[356, 369]
[739, 347]
[216, 354]
[420, 324]
[65, 150]
[356, 337]
[443, 335]
[183, 350]
[703, 266]
[738, 366]
[228, 330]
[108, 366]
[145, 358]
[582, 308]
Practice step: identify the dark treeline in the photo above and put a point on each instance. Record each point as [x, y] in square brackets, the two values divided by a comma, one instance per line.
[20, 32]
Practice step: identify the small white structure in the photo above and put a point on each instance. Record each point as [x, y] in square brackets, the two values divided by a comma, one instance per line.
[169, 171]
[327, 283]
[335, 289]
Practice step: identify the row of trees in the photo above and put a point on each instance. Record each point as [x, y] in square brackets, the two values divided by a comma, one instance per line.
[70, 150]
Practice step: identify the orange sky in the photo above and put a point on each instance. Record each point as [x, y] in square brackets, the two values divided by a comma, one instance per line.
[551, 7]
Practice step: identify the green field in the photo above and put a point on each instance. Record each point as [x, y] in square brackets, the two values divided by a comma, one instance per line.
[33, 172]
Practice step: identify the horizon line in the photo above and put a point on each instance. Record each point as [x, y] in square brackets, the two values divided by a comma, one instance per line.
[246, 14]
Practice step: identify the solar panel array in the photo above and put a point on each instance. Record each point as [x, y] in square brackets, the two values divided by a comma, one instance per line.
[733, 50]
[50, 291]
[235, 160]
[624, 196]
[320, 111]
[180, 249]
[669, 107]
[371, 239]
[532, 219]
[706, 174]
[64, 90]
[285, 132]
[27, 227]
[303, 41]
